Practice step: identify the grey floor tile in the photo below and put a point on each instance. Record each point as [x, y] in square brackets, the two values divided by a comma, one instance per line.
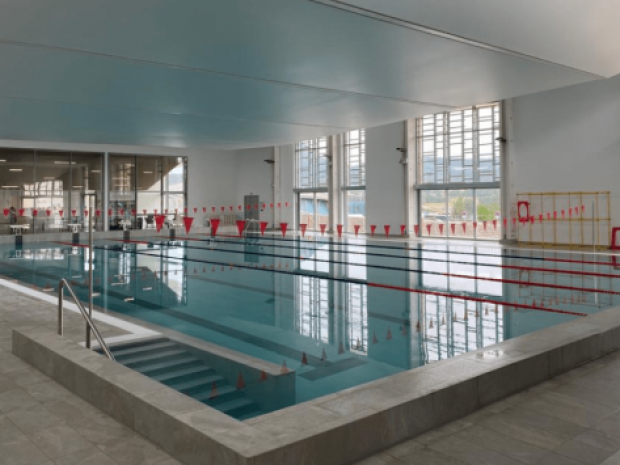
[101, 429]
[598, 439]
[90, 456]
[510, 447]
[33, 418]
[134, 451]
[8, 430]
[532, 427]
[579, 392]
[567, 408]
[16, 399]
[582, 452]
[21, 451]
[71, 409]
[378, 459]
[6, 384]
[470, 452]
[557, 459]
[428, 456]
[48, 390]
[404, 448]
[59, 441]
[27, 377]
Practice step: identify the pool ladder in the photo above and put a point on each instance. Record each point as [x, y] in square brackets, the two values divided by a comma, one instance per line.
[91, 325]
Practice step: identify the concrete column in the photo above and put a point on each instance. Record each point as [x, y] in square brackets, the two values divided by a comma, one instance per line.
[410, 168]
[333, 181]
[277, 187]
[106, 191]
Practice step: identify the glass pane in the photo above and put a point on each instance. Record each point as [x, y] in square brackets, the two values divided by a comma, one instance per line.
[306, 210]
[461, 207]
[322, 208]
[356, 211]
[174, 205]
[434, 214]
[17, 186]
[86, 175]
[489, 213]
[122, 188]
[173, 169]
[149, 174]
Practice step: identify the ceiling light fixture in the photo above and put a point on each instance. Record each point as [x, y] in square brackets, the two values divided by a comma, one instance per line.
[17, 170]
[10, 187]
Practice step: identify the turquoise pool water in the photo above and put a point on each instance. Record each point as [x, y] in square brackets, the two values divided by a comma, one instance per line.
[336, 312]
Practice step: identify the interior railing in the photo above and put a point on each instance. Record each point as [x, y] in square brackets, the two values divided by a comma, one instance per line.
[61, 285]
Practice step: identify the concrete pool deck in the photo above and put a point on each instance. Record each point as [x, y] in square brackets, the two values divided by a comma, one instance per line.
[361, 421]
[577, 411]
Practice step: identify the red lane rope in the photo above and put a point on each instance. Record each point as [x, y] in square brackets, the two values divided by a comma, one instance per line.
[526, 283]
[475, 299]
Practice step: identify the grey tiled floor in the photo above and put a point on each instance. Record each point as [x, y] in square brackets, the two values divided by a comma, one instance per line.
[571, 420]
[41, 423]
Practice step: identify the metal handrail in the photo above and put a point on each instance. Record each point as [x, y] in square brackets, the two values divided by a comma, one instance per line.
[61, 285]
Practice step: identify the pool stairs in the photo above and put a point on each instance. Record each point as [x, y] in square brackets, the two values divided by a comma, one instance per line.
[169, 363]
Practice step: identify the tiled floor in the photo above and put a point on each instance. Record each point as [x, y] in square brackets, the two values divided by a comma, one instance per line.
[571, 420]
[41, 423]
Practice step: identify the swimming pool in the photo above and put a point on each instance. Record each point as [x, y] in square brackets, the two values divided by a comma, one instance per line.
[337, 313]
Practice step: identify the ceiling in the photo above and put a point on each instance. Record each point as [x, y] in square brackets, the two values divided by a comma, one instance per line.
[233, 74]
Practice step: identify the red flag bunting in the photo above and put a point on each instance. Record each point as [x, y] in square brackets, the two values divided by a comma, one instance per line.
[188, 221]
[283, 228]
[303, 227]
[263, 227]
[386, 228]
[357, 229]
[339, 230]
[373, 227]
[322, 226]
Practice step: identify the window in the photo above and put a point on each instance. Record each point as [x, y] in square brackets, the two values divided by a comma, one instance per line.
[312, 163]
[459, 176]
[355, 180]
[460, 146]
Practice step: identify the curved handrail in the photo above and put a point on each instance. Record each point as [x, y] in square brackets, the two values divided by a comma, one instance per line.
[61, 285]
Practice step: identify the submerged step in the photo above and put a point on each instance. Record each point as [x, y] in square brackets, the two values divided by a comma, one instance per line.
[142, 349]
[142, 360]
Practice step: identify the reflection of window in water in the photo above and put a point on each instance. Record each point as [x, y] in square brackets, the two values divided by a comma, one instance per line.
[312, 307]
[357, 317]
[456, 326]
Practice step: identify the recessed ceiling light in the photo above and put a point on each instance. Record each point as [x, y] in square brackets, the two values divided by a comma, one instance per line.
[77, 187]
[2, 161]
[63, 162]
[95, 171]
[17, 170]
[10, 187]
[49, 178]
[147, 172]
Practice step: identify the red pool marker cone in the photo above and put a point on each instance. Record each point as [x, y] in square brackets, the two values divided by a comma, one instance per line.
[373, 227]
[495, 225]
[416, 230]
[159, 222]
[555, 215]
[283, 228]
[339, 230]
[302, 227]
[403, 227]
[284, 369]
[214, 392]
[35, 212]
[263, 227]
[240, 227]
[304, 359]
[215, 223]
[323, 226]
[6, 212]
[386, 228]
[389, 335]
[356, 228]
[323, 355]
[484, 225]
[74, 212]
[475, 224]
[563, 214]
[570, 212]
[187, 222]
[374, 338]
[340, 349]
[240, 382]
[441, 228]
[548, 216]
[428, 228]
[21, 211]
[262, 377]
[464, 226]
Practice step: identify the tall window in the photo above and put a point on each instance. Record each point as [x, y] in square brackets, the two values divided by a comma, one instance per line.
[311, 188]
[460, 146]
[459, 173]
[312, 163]
[355, 179]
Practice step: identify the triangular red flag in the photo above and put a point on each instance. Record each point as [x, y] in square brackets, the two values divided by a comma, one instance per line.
[356, 228]
[240, 382]
[240, 227]
[159, 222]
[263, 376]
[322, 226]
[215, 223]
[283, 228]
[263, 227]
[188, 221]
[303, 227]
[453, 228]
[373, 227]
[386, 228]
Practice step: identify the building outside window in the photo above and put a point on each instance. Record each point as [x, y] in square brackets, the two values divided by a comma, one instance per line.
[459, 173]
[312, 168]
[355, 180]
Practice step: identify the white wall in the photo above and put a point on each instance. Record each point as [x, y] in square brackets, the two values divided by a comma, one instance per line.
[385, 177]
[568, 140]
[254, 176]
[211, 178]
